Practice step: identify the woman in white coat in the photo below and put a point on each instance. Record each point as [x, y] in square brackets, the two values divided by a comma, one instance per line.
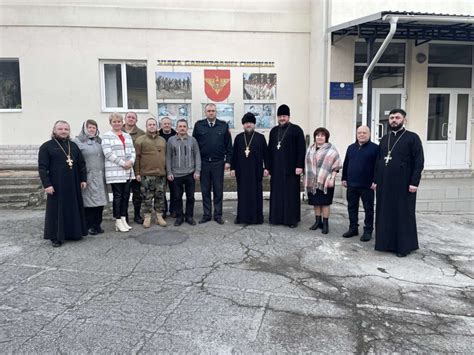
[119, 155]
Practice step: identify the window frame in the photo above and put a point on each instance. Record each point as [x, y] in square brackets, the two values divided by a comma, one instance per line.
[13, 110]
[123, 68]
[400, 65]
[436, 65]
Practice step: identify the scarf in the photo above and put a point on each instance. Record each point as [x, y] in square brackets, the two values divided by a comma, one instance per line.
[320, 163]
[85, 137]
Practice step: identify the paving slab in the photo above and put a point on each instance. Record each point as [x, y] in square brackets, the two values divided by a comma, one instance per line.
[235, 289]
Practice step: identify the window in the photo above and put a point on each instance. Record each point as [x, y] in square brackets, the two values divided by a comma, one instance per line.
[382, 77]
[389, 72]
[10, 92]
[450, 66]
[450, 54]
[394, 53]
[449, 77]
[124, 86]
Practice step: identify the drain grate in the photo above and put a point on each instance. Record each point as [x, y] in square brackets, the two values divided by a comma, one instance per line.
[162, 237]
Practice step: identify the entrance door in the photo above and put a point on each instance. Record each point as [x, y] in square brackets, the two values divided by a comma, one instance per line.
[447, 138]
[383, 101]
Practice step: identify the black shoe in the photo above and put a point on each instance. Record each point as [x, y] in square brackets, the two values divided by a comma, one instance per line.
[204, 220]
[99, 230]
[173, 214]
[292, 226]
[366, 237]
[350, 233]
[219, 220]
[56, 243]
[179, 221]
[317, 223]
[401, 255]
[190, 221]
[92, 231]
[137, 218]
[325, 229]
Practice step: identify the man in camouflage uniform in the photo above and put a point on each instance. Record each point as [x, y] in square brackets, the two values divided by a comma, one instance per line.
[150, 170]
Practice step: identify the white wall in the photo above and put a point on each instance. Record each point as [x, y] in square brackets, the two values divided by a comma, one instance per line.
[60, 70]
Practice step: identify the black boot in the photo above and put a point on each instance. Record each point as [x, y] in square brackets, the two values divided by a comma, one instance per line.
[325, 229]
[317, 224]
[137, 218]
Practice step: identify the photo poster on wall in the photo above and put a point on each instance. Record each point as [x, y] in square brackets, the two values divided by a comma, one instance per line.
[264, 114]
[173, 85]
[260, 86]
[175, 112]
[225, 112]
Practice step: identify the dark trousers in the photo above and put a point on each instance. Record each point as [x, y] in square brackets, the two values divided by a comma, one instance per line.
[137, 197]
[172, 191]
[121, 193]
[184, 184]
[94, 217]
[212, 177]
[367, 197]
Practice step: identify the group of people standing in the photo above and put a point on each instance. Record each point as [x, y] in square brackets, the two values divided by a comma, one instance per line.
[146, 162]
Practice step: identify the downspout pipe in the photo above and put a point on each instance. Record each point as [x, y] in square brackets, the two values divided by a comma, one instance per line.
[365, 90]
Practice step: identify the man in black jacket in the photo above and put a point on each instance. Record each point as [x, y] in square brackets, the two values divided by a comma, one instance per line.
[215, 145]
[358, 178]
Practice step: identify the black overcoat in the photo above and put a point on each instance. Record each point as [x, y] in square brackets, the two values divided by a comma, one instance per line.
[395, 222]
[64, 218]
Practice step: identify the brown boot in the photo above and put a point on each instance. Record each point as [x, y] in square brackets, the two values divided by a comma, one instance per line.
[160, 220]
[147, 220]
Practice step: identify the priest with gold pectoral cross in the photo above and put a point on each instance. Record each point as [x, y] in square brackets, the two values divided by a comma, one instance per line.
[63, 174]
[397, 176]
[286, 151]
[249, 163]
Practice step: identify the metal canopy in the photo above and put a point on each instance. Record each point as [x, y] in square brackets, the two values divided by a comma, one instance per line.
[421, 27]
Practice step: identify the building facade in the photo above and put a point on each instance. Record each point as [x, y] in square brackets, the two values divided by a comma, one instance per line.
[80, 60]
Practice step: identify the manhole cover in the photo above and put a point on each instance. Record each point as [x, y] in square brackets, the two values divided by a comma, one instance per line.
[162, 237]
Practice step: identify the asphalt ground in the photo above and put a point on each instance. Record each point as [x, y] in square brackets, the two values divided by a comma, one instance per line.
[235, 289]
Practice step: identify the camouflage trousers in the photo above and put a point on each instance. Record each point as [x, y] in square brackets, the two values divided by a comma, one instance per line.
[153, 189]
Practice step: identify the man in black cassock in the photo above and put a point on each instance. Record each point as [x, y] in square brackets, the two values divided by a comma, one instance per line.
[63, 174]
[287, 149]
[248, 160]
[397, 176]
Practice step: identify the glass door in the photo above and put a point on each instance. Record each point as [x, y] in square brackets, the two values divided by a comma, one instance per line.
[383, 101]
[447, 135]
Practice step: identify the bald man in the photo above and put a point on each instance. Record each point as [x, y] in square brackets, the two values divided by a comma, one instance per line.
[358, 178]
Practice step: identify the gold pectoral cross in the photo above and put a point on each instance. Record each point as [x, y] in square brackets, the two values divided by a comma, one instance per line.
[279, 145]
[247, 152]
[69, 161]
[387, 158]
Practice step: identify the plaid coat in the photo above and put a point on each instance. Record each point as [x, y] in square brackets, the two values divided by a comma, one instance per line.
[116, 156]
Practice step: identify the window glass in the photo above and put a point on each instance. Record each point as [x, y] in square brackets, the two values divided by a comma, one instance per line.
[382, 77]
[394, 53]
[137, 93]
[10, 92]
[449, 77]
[450, 54]
[113, 85]
[461, 119]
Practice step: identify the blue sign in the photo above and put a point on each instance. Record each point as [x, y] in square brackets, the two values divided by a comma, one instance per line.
[341, 91]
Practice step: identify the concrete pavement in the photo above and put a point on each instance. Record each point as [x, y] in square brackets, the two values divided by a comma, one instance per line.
[235, 289]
